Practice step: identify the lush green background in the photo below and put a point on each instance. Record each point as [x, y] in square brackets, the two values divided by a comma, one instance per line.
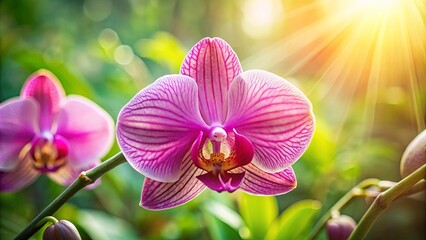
[107, 50]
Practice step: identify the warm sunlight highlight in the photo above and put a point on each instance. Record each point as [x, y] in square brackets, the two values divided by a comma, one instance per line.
[360, 48]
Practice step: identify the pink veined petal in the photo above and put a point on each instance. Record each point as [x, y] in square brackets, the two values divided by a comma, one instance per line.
[18, 124]
[227, 182]
[213, 64]
[160, 195]
[47, 90]
[258, 182]
[274, 115]
[19, 177]
[88, 129]
[157, 127]
[67, 174]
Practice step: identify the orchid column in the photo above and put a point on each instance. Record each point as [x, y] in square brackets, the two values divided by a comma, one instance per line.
[216, 126]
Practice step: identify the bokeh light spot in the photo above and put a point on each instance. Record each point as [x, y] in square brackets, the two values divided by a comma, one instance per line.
[97, 10]
[123, 55]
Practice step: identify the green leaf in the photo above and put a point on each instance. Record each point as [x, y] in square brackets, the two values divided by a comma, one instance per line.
[295, 221]
[225, 214]
[219, 227]
[100, 225]
[258, 213]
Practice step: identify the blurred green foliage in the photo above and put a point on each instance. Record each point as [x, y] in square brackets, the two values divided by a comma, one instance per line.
[107, 50]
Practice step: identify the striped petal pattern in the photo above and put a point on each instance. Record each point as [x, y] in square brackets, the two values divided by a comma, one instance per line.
[45, 89]
[258, 182]
[213, 64]
[160, 195]
[158, 126]
[274, 115]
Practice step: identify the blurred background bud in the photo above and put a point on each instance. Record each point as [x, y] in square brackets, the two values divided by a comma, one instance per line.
[414, 155]
[62, 230]
[340, 228]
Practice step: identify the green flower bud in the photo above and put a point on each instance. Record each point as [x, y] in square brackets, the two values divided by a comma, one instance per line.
[414, 156]
[62, 230]
[340, 228]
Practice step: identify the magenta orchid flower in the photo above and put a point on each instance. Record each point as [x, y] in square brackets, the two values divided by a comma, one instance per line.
[44, 132]
[216, 126]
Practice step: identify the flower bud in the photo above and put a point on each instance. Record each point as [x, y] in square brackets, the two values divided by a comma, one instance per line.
[414, 155]
[340, 228]
[62, 230]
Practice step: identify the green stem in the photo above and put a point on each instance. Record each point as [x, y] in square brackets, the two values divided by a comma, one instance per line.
[45, 220]
[85, 179]
[383, 200]
[418, 187]
[357, 191]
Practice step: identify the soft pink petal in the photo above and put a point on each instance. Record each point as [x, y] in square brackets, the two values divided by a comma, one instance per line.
[213, 64]
[18, 124]
[67, 174]
[274, 115]
[157, 127]
[227, 182]
[19, 177]
[258, 182]
[88, 129]
[47, 90]
[159, 195]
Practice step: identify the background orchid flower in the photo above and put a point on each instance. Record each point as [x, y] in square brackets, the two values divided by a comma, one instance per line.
[216, 126]
[44, 132]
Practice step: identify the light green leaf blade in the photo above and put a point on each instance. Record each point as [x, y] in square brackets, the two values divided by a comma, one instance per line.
[295, 221]
[222, 222]
[102, 226]
[258, 213]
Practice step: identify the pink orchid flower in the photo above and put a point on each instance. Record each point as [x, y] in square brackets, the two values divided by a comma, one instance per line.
[44, 132]
[216, 126]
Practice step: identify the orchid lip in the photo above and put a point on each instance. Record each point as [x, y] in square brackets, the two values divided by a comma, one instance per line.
[48, 153]
[217, 166]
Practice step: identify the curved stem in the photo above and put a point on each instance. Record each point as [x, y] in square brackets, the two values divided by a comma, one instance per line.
[85, 179]
[357, 191]
[45, 220]
[416, 188]
[383, 200]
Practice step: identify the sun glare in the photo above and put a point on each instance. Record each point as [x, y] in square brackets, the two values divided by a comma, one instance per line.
[357, 48]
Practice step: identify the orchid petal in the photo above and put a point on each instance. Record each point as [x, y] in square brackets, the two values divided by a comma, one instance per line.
[222, 182]
[258, 182]
[241, 154]
[88, 129]
[213, 64]
[18, 123]
[197, 153]
[21, 176]
[47, 90]
[159, 195]
[274, 115]
[67, 174]
[157, 127]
